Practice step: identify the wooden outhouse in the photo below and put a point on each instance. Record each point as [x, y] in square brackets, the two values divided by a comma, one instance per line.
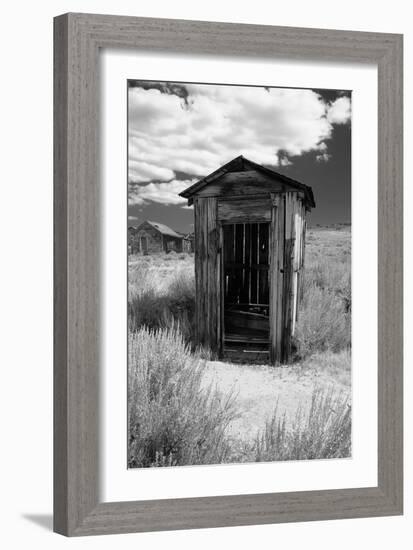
[250, 227]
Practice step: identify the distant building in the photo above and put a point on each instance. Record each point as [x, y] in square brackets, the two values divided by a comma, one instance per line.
[189, 242]
[152, 238]
[131, 238]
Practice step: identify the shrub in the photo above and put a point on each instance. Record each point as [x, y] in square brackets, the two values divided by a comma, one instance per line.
[172, 419]
[323, 322]
[325, 432]
[170, 256]
[326, 364]
[138, 277]
[173, 306]
[333, 276]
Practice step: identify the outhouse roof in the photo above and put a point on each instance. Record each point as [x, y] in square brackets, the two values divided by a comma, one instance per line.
[241, 164]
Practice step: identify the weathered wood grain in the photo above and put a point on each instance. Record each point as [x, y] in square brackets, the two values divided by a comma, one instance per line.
[61, 494]
[77, 278]
[246, 210]
[280, 285]
[197, 262]
[77, 504]
[287, 297]
[214, 291]
[241, 176]
[273, 276]
[207, 274]
[241, 183]
[220, 285]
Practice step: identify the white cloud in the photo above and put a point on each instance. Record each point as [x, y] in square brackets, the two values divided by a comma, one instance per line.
[217, 123]
[165, 193]
[132, 218]
[143, 171]
[323, 157]
[340, 111]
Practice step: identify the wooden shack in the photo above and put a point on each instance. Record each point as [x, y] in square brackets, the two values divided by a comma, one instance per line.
[189, 242]
[153, 237]
[250, 227]
[131, 240]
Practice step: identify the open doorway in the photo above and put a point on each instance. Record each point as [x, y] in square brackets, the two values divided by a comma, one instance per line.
[246, 285]
[144, 245]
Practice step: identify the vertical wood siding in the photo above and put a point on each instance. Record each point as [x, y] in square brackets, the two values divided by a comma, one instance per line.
[264, 263]
[276, 275]
[286, 271]
[208, 274]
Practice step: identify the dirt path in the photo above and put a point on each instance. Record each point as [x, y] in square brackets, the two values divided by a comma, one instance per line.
[259, 387]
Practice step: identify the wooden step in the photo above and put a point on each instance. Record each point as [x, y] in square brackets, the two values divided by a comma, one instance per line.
[245, 339]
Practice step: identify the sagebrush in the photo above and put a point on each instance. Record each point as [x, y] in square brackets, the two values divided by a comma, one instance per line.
[322, 431]
[166, 306]
[172, 420]
[324, 318]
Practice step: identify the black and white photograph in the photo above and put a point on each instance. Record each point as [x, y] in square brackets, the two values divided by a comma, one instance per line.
[239, 274]
[204, 336]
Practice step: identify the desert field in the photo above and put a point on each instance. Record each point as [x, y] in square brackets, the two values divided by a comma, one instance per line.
[186, 407]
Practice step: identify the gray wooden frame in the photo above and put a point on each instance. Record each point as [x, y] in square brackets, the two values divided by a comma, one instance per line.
[77, 506]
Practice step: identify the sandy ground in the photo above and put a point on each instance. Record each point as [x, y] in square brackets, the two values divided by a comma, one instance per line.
[259, 387]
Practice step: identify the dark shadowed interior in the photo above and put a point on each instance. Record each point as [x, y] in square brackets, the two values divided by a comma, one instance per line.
[246, 285]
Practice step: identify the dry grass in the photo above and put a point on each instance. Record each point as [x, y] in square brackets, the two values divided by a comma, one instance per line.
[162, 293]
[258, 387]
[157, 271]
[175, 418]
[328, 365]
[324, 320]
[172, 420]
[162, 297]
[324, 431]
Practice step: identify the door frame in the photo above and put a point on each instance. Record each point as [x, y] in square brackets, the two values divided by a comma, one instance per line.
[221, 270]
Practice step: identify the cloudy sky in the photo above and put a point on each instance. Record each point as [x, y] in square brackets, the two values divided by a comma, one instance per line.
[179, 133]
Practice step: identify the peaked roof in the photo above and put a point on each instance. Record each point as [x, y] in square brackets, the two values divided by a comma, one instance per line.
[239, 164]
[164, 229]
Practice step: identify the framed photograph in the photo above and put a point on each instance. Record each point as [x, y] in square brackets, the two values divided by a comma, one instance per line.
[228, 274]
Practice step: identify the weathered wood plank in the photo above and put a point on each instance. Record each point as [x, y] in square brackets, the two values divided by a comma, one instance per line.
[276, 276]
[253, 260]
[209, 277]
[220, 286]
[246, 294]
[228, 232]
[198, 270]
[207, 273]
[297, 260]
[280, 275]
[213, 278]
[241, 183]
[204, 287]
[300, 274]
[288, 297]
[286, 276]
[244, 210]
[263, 296]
